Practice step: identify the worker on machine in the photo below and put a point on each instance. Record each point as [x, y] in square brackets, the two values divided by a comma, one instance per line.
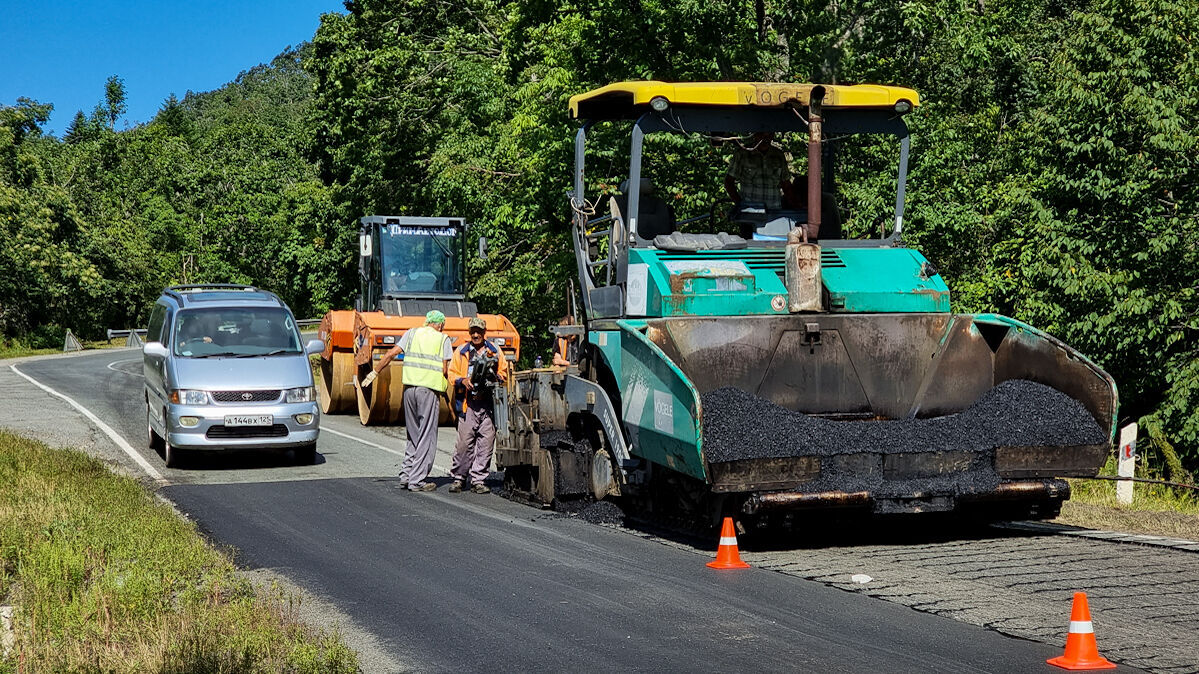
[759, 173]
[566, 347]
[427, 353]
[477, 367]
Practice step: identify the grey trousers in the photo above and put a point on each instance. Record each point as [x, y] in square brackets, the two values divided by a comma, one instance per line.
[420, 419]
[476, 439]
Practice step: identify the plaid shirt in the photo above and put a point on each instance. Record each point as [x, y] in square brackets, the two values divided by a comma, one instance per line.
[758, 174]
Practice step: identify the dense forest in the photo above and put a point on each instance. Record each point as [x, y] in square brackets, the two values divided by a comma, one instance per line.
[1053, 177]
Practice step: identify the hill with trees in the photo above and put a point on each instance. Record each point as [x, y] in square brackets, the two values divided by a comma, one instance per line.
[1053, 175]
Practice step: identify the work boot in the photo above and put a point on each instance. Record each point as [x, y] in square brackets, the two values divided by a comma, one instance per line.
[480, 488]
[427, 486]
[456, 487]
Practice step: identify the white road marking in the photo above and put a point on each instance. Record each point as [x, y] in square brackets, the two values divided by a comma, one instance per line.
[127, 360]
[112, 435]
[368, 443]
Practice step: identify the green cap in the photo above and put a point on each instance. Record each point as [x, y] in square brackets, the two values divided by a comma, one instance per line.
[435, 316]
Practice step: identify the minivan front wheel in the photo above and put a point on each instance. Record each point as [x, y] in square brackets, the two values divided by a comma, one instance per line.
[173, 456]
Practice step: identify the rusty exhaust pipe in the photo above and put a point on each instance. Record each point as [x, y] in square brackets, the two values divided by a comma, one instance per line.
[788, 500]
[815, 140]
[1040, 490]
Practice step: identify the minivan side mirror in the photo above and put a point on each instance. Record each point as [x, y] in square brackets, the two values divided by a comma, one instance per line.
[155, 349]
[314, 346]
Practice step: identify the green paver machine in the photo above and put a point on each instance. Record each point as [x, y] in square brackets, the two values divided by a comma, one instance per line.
[786, 309]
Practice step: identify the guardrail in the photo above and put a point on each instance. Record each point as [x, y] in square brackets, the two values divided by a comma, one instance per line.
[141, 332]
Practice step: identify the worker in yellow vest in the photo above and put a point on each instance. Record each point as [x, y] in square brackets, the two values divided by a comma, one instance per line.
[427, 353]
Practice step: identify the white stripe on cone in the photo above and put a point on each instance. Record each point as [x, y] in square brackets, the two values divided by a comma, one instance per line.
[732, 540]
[1081, 627]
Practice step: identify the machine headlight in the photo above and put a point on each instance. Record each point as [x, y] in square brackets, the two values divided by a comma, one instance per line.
[188, 397]
[659, 103]
[499, 341]
[389, 339]
[304, 394]
[903, 106]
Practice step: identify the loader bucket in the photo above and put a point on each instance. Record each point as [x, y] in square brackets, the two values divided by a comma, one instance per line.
[880, 367]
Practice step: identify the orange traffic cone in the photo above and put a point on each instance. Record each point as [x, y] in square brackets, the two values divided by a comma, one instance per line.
[1081, 650]
[727, 556]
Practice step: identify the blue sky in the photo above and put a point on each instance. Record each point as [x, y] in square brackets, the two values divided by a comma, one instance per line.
[62, 52]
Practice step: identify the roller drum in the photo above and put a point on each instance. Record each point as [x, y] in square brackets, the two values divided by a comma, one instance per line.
[382, 401]
[336, 383]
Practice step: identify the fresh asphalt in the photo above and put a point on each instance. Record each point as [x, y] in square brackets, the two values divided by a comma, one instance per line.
[477, 582]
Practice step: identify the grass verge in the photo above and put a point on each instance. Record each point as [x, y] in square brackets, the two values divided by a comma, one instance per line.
[15, 349]
[106, 578]
[1156, 509]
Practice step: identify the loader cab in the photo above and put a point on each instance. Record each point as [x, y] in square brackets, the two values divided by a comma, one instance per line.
[413, 260]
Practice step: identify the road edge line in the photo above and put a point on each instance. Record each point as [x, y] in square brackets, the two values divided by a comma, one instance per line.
[376, 445]
[121, 442]
[368, 443]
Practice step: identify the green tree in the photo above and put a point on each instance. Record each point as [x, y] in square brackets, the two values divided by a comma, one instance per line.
[114, 100]
[174, 119]
[79, 130]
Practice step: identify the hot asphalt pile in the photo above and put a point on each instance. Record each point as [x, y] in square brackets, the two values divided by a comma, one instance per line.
[740, 425]
[595, 512]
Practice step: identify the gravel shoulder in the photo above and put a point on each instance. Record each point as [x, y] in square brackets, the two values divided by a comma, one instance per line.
[1144, 600]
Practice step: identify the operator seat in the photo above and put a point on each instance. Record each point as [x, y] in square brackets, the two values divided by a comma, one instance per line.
[830, 217]
[655, 216]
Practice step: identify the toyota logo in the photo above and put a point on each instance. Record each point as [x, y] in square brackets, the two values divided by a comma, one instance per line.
[247, 396]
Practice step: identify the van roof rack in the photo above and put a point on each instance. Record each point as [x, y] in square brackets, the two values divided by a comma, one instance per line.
[187, 287]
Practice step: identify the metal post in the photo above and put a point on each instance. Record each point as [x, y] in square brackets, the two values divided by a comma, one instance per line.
[634, 203]
[1126, 463]
[905, 144]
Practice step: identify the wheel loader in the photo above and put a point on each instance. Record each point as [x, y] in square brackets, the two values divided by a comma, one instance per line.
[768, 362]
[407, 266]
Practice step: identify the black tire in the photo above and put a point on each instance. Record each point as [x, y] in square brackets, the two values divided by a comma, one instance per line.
[306, 454]
[153, 440]
[174, 457]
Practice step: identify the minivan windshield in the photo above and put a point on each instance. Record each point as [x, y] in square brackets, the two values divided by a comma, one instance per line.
[235, 332]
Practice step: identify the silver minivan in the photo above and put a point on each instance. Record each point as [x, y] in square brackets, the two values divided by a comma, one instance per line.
[225, 369]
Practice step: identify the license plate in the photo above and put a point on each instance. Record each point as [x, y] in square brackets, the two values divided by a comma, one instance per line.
[249, 419]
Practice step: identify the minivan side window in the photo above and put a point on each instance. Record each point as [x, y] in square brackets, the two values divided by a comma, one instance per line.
[157, 318]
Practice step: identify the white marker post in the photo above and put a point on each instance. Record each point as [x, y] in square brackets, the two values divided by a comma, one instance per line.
[1126, 463]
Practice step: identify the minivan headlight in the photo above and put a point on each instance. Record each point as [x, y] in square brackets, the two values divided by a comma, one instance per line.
[304, 394]
[188, 397]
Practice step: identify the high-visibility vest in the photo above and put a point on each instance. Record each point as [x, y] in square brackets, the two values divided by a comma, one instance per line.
[423, 364]
[564, 350]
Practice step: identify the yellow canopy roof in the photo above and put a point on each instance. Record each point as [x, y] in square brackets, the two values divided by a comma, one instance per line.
[621, 100]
